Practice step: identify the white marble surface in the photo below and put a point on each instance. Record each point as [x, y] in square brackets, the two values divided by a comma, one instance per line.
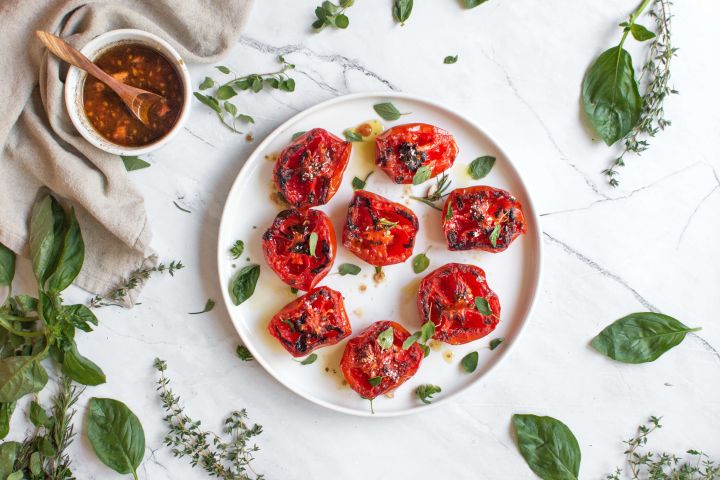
[651, 244]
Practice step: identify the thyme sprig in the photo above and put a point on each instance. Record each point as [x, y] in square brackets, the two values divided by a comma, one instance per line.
[227, 456]
[656, 76]
[436, 192]
[117, 296]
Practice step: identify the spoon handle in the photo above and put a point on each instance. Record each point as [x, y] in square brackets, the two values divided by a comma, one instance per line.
[65, 51]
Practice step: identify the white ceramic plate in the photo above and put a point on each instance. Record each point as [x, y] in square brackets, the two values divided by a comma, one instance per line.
[514, 274]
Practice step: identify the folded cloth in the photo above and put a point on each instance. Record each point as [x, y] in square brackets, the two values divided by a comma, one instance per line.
[39, 147]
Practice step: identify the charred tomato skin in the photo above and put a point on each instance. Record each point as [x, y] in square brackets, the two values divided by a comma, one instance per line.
[364, 359]
[286, 247]
[471, 214]
[378, 230]
[401, 150]
[308, 172]
[317, 319]
[447, 298]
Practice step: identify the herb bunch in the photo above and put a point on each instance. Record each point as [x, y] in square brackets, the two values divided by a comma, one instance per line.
[436, 192]
[332, 15]
[227, 111]
[228, 457]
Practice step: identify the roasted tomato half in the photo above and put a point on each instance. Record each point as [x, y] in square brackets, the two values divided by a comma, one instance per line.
[372, 370]
[309, 170]
[287, 246]
[402, 150]
[484, 218]
[317, 319]
[379, 231]
[449, 297]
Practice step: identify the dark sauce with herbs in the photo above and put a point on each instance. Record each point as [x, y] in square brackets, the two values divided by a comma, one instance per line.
[141, 67]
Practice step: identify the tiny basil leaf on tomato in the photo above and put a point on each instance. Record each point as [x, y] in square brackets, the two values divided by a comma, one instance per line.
[312, 244]
[410, 340]
[548, 446]
[293, 290]
[348, 269]
[448, 214]
[640, 337]
[243, 285]
[243, 353]
[133, 163]
[290, 324]
[427, 331]
[385, 338]
[297, 135]
[387, 111]
[375, 381]
[402, 10]
[385, 223]
[116, 435]
[495, 342]
[426, 392]
[426, 350]
[450, 59]
[640, 33]
[483, 306]
[495, 234]
[352, 136]
[481, 166]
[420, 263]
[421, 175]
[310, 359]
[469, 362]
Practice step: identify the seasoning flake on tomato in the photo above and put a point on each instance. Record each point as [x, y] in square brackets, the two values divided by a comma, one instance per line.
[308, 172]
[458, 301]
[375, 362]
[483, 218]
[317, 319]
[404, 149]
[300, 247]
[378, 230]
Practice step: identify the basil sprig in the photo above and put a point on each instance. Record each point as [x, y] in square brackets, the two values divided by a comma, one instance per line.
[548, 446]
[640, 337]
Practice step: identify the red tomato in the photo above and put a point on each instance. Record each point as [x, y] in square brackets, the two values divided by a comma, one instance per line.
[481, 217]
[371, 370]
[447, 297]
[403, 149]
[309, 170]
[379, 231]
[317, 319]
[287, 247]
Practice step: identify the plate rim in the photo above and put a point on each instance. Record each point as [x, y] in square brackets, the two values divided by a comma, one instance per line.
[386, 96]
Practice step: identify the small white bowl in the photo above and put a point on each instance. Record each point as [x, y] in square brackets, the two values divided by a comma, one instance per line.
[75, 81]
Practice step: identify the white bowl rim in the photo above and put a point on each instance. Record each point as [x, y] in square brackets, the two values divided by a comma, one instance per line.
[529, 209]
[75, 76]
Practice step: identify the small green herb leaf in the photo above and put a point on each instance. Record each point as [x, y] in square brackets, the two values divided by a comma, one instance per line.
[223, 69]
[81, 369]
[450, 59]
[402, 10]
[473, 3]
[641, 33]
[243, 353]
[209, 305]
[312, 243]
[375, 381]
[297, 135]
[483, 306]
[116, 435]
[310, 359]
[410, 340]
[348, 269]
[19, 376]
[495, 234]
[469, 362]
[225, 92]
[426, 392]
[207, 83]
[421, 175]
[385, 338]
[342, 21]
[495, 342]
[449, 213]
[420, 263]
[548, 446]
[230, 108]
[385, 223]
[38, 415]
[352, 136]
[388, 111]
[427, 331]
[7, 265]
[246, 118]
[359, 184]
[209, 101]
[481, 166]
[237, 249]
[293, 290]
[133, 163]
[243, 285]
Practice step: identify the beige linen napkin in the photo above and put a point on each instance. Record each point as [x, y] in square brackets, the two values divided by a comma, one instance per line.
[39, 147]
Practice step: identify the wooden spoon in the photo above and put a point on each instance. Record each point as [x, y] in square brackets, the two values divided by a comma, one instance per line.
[139, 101]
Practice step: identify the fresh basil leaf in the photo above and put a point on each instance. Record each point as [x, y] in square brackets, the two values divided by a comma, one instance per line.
[421, 175]
[116, 435]
[312, 243]
[351, 136]
[426, 350]
[209, 305]
[38, 415]
[297, 135]
[640, 337]
[402, 10]
[19, 376]
[348, 269]
[410, 340]
[6, 411]
[8, 455]
[427, 331]
[483, 306]
[223, 69]
[243, 353]
[473, 3]
[209, 101]
[375, 381]
[70, 257]
[450, 59]
[243, 285]
[246, 118]
[481, 166]
[426, 392]
[237, 249]
[641, 33]
[495, 342]
[81, 369]
[341, 20]
[230, 108]
[133, 163]
[207, 83]
[7, 265]
[26, 303]
[385, 338]
[80, 317]
[548, 446]
[225, 92]
[46, 447]
[469, 362]
[610, 96]
[19, 475]
[347, 3]
[495, 234]
[420, 263]
[385, 223]
[387, 111]
[310, 359]
[46, 221]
